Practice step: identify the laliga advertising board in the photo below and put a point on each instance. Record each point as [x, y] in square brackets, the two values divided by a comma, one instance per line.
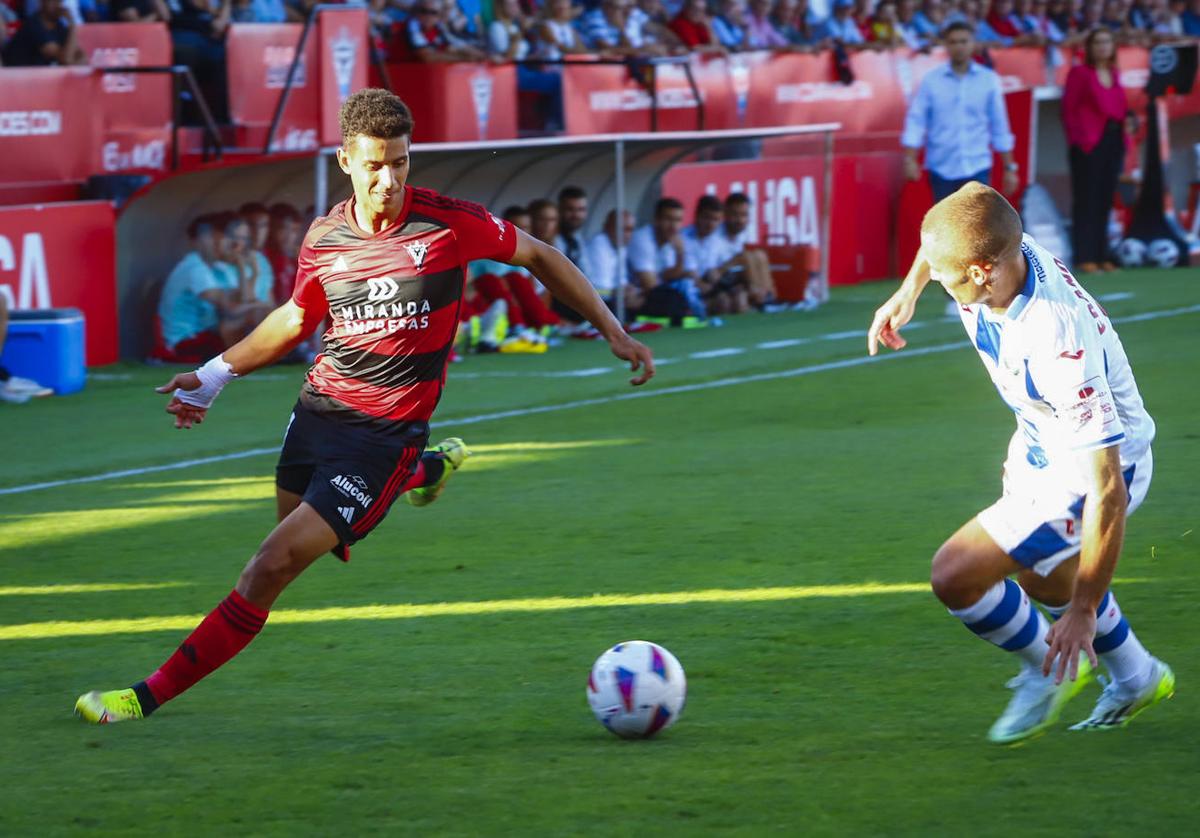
[64, 256]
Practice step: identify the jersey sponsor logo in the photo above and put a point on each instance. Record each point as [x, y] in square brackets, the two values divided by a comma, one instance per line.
[352, 486]
[499, 225]
[416, 252]
[385, 317]
[1093, 399]
[347, 513]
[383, 288]
[1074, 356]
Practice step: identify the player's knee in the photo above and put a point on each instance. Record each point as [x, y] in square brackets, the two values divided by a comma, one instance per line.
[951, 579]
[271, 569]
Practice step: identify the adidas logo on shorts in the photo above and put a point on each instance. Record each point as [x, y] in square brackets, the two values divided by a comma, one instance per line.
[346, 512]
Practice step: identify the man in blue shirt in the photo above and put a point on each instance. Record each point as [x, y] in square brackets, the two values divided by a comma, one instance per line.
[958, 117]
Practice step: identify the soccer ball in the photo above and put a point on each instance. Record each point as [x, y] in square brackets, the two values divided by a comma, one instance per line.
[1163, 252]
[1132, 253]
[636, 689]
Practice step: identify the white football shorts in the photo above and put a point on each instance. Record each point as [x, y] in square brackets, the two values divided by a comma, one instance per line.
[1038, 518]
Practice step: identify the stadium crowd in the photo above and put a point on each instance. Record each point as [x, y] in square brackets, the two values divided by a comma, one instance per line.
[240, 265]
[41, 32]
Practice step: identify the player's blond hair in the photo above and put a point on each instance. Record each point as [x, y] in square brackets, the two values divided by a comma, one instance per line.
[976, 223]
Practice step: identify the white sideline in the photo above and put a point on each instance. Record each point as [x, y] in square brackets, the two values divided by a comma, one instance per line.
[554, 408]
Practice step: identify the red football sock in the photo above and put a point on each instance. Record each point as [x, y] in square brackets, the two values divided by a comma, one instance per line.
[220, 636]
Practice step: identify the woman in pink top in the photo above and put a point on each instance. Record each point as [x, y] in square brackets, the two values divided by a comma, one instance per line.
[1094, 113]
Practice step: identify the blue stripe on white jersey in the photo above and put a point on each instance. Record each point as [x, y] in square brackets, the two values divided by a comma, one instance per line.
[1057, 362]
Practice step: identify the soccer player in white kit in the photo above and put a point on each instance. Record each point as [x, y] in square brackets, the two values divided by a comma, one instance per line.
[1078, 464]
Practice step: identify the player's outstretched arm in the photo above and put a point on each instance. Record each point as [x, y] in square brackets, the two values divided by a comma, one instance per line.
[194, 392]
[898, 310]
[568, 284]
[1101, 536]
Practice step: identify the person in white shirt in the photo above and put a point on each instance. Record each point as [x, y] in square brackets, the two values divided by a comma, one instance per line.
[732, 278]
[1077, 466]
[609, 271]
[664, 267]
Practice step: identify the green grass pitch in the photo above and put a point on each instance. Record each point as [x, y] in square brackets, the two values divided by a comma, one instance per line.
[842, 700]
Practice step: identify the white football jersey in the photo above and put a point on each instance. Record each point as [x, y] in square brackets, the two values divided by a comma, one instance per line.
[1058, 363]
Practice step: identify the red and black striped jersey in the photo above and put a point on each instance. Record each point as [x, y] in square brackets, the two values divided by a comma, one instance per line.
[393, 301]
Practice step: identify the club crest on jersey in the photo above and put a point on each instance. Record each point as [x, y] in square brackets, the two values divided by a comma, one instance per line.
[416, 252]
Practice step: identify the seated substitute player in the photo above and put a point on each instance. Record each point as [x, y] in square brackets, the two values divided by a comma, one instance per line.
[1078, 464]
[387, 266]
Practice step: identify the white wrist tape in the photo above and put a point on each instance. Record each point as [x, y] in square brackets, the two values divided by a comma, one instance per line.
[213, 376]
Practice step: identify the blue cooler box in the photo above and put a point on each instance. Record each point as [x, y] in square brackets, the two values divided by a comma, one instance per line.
[47, 346]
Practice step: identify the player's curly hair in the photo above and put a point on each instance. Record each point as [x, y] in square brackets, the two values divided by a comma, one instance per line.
[978, 222]
[374, 112]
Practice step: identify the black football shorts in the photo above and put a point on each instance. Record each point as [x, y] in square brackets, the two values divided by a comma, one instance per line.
[351, 475]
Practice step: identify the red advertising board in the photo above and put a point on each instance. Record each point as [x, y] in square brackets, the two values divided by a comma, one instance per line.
[258, 57]
[610, 98]
[48, 125]
[458, 102]
[342, 35]
[136, 107]
[60, 256]
[798, 89]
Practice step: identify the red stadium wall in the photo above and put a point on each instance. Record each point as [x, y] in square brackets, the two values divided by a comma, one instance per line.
[64, 255]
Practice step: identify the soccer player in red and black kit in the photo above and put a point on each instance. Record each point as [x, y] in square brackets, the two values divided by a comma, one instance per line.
[387, 267]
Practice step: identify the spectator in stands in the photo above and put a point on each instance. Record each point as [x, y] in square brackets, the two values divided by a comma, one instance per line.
[905, 23]
[970, 12]
[609, 271]
[882, 31]
[1058, 13]
[1190, 19]
[958, 117]
[731, 26]
[196, 316]
[506, 34]
[44, 39]
[284, 236]
[1006, 23]
[556, 33]
[619, 29]
[14, 388]
[842, 28]
[1090, 15]
[463, 20]
[1033, 18]
[760, 31]
[1168, 19]
[1114, 18]
[425, 38]
[694, 29]
[658, 25]
[198, 30]
[74, 11]
[1096, 117]
[260, 11]
[140, 11]
[929, 20]
[664, 267]
[796, 21]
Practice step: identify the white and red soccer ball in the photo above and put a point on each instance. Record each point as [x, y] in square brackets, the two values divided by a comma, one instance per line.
[636, 689]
